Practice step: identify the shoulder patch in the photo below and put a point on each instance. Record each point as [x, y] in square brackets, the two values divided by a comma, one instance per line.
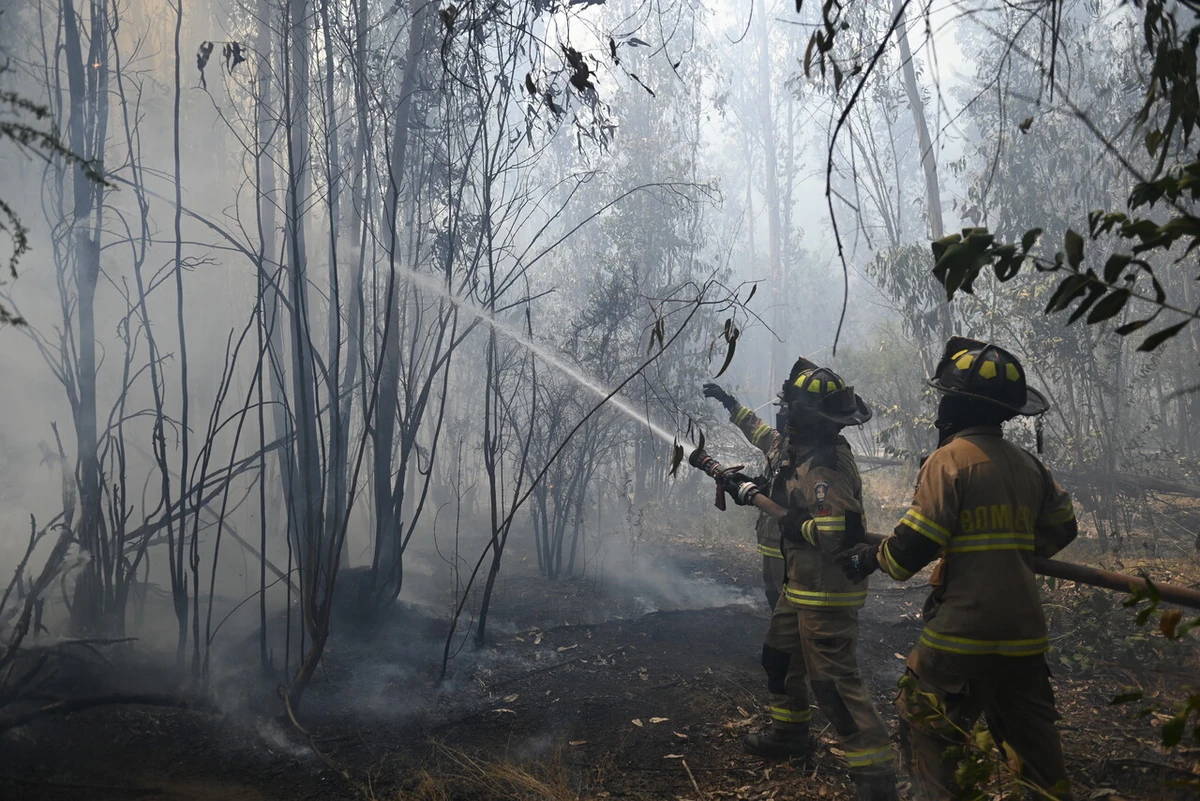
[821, 492]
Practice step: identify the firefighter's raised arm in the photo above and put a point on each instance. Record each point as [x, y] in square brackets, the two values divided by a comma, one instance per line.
[760, 434]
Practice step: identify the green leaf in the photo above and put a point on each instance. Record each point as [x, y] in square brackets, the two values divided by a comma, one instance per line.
[1030, 239]
[1115, 265]
[1109, 307]
[1094, 292]
[1172, 731]
[1127, 698]
[1153, 140]
[940, 246]
[1159, 337]
[1073, 244]
[1071, 288]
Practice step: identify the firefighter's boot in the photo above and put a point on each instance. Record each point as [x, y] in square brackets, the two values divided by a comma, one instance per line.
[875, 787]
[779, 743]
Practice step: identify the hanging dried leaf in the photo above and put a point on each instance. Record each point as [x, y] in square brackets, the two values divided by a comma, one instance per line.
[676, 457]
[234, 54]
[202, 56]
[731, 338]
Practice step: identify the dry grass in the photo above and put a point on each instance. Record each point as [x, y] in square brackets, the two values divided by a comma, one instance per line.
[460, 775]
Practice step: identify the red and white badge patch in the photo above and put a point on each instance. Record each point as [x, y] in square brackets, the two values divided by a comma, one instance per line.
[821, 494]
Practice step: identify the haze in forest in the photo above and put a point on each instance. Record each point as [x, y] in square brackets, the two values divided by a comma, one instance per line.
[307, 349]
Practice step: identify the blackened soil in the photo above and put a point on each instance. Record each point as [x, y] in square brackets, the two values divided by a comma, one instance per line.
[582, 690]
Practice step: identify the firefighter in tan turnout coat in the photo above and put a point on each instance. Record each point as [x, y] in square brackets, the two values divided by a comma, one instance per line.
[813, 635]
[770, 442]
[986, 507]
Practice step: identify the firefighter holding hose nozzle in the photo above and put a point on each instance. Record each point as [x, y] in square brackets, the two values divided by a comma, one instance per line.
[770, 442]
[812, 639]
[987, 507]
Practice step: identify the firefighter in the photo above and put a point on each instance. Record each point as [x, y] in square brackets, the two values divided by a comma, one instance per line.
[987, 507]
[813, 635]
[769, 441]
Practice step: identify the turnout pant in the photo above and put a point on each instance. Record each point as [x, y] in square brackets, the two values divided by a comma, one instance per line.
[942, 697]
[774, 571]
[816, 647]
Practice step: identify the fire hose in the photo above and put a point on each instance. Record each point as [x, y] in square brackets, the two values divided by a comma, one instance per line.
[749, 494]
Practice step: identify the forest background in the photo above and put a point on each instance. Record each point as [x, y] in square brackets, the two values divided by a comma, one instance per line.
[317, 302]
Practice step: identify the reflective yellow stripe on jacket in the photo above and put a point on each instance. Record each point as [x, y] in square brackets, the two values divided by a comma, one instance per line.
[840, 600]
[923, 525]
[964, 645]
[824, 524]
[974, 543]
[1063, 513]
[761, 431]
[891, 566]
[767, 550]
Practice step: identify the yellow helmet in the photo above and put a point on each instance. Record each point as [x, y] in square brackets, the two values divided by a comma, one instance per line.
[974, 369]
[822, 392]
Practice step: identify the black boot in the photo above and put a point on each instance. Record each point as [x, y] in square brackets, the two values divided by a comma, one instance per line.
[777, 743]
[875, 787]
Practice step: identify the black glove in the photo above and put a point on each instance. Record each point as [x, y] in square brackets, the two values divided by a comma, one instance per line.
[718, 394]
[740, 487]
[789, 525]
[859, 561]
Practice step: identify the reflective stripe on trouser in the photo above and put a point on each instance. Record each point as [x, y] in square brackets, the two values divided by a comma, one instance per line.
[969, 647]
[812, 598]
[822, 644]
[947, 693]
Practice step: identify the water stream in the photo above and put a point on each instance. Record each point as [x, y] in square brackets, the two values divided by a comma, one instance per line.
[433, 284]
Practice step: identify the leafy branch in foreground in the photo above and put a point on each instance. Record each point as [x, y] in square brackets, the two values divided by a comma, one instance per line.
[1168, 116]
[1185, 713]
[959, 259]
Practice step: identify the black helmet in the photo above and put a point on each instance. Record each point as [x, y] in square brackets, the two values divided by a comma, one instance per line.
[822, 392]
[974, 369]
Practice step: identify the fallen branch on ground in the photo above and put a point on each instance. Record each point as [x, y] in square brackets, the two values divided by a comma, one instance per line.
[69, 705]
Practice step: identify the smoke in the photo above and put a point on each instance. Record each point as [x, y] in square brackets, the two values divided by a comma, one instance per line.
[656, 583]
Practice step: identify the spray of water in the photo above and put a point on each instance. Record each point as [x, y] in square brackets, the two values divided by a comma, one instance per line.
[435, 286]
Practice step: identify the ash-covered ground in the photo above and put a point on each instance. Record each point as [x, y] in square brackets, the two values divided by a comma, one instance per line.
[631, 688]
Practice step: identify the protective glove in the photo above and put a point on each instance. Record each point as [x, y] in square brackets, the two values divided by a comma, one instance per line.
[740, 487]
[859, 561]
[789, 525]
[718, 394]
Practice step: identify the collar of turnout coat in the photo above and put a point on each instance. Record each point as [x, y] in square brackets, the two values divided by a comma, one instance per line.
[974, 431]
[801, 451]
